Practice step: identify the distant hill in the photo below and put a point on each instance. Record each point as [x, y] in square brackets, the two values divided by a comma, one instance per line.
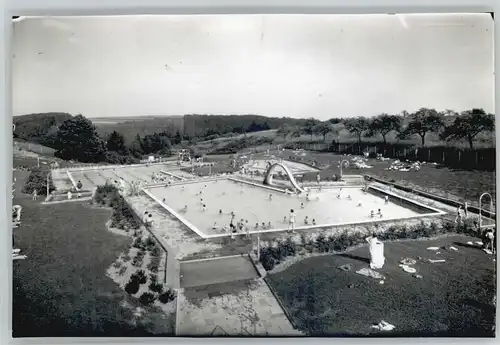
[198, 125]
[39, 128]
[130, 127]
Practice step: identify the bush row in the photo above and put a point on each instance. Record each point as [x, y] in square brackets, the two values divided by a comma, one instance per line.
[123, 216]
[272, 255]
[157, 290]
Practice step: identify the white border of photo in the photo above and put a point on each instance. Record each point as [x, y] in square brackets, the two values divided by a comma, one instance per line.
[155, 7]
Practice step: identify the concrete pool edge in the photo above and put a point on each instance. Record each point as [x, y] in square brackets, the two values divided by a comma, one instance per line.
[436, 212]
[175, 214]
[332, 225]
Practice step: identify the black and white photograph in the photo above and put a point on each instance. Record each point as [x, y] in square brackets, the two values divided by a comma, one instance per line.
[275, 175]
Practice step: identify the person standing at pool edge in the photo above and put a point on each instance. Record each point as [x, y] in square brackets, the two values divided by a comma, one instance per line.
[291, 221]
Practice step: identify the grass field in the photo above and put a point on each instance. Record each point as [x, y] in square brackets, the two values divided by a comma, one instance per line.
[453, 298]
[443, 181]
[340, 134]
[61, 288]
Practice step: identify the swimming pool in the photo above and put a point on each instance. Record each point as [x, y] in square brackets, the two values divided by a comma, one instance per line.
[257, 204]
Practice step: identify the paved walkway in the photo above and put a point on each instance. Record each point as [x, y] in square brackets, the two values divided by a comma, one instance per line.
[243, 308]
[170, 230]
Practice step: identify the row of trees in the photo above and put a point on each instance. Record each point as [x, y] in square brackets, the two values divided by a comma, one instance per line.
[78, 139]
[466, 125]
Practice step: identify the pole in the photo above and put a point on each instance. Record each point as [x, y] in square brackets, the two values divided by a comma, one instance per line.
[165, 268]
[38, 161]
[258, 246]
[48, 177]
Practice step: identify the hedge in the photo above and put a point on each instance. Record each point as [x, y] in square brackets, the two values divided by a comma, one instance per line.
[123, 216]
[272, 255]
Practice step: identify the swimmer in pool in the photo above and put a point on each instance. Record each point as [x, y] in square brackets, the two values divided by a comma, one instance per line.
[185, 208]
[306, 220]
[220, 212]
[372, 214]
[301, 205]
[386, 199]
[314, 221]
[263, 225]
[338, 196]
[284, 220]
[256, 226]
[269, 225]
[360, 204]
[270, 197]
[349, 197]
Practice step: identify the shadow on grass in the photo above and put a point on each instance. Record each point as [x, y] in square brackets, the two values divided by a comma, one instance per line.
[473, 246]
[355, 257]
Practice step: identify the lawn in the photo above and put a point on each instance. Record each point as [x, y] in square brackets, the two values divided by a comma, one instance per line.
[453, 298]
[61, 288]
[218, 168]
[440, 180]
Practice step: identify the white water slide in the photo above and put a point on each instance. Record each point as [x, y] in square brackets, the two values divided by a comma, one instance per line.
[269, 176]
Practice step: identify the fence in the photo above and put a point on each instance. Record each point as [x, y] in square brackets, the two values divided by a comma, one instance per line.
[37, 148]
[481, 159]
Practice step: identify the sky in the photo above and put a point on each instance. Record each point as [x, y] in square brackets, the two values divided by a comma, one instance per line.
[298, 66]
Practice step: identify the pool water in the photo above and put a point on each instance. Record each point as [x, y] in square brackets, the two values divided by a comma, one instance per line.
[257, 204]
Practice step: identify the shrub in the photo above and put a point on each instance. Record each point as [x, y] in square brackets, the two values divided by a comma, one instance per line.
[156, 286]
[268, 262]
[132, 287]
[321, 244]
[138, 243]
[37, 179]
[122, 270]
[167, 296]
[117, 264]
[154, 264]
[150, 243]
[139, 276]
[123, 217]
[138, 259]
[156, 251]
[126, 258]
[147, 298]
[153, 277]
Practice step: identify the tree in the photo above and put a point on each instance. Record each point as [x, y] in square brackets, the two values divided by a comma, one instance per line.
[323, 128]
[422, 122]
[136, 146]
[309, 126]
[37, 180]
[358, 126]
[284, 131]
[116, 143]
[384, 124]
[295, 133]
[468, 125]
[77, 138]
[178, 138]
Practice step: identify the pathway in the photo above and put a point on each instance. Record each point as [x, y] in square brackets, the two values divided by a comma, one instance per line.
[240, 308]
